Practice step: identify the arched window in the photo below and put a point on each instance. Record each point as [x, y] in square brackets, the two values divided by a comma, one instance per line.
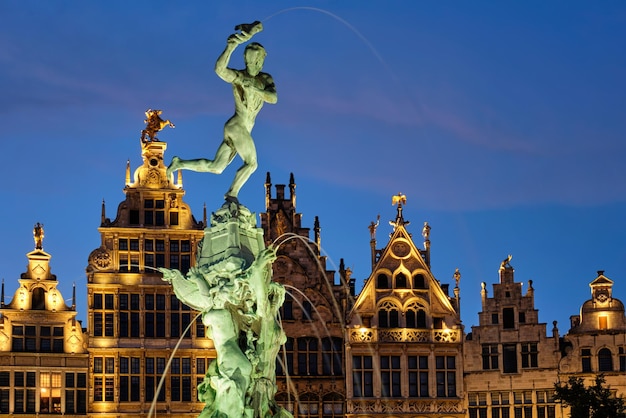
[382, 282]
[415, 316]
[286, 310]
[333, 406]
[307, 311]
[388, 315]
[39, 299]
[605, 360]
[401, 281]
[419, 281]
[308, 405]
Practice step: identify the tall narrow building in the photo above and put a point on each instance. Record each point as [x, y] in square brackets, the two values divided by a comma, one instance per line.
[310, 368]
[404, 336]
[134, 317]
[510, 362]
[43, 350]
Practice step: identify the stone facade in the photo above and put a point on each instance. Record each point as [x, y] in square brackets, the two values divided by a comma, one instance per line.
[404, 337]
[310, 367]
[43, 349]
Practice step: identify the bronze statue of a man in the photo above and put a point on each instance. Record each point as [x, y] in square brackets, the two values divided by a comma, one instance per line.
[251, 89]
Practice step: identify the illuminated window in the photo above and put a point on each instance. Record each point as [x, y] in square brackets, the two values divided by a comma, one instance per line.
[104, 373]
[362, 377]
[49, 393]
[446, 376]
[128, 254]
[390, 376]
[603, 322]
[490, 357]
[418, 376]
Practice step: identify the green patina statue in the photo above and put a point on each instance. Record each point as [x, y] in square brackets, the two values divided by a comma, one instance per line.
[231, 282]
[251, 89]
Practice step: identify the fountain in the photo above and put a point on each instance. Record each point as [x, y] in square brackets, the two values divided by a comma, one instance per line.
[230, 284]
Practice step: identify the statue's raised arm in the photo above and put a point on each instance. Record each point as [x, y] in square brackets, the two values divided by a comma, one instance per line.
[251, 89]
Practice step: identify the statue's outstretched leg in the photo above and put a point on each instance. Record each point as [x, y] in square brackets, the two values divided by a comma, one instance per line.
[224, 155]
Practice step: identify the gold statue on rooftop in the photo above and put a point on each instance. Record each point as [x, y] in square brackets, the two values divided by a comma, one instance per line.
[38, 236]
[154, 124]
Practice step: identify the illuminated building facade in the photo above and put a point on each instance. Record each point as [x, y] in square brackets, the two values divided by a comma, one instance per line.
[404, 350]
[134, 318]
[44, 365]
[398, 348]
[510, 363]
[596, 342]
[310, 368]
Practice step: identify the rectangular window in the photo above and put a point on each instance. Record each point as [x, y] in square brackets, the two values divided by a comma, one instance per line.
[529, 355]
[103, 325]
[152, 376]
[508, 318]
[24, 388]
[284, 360]
[490, 357]
[50, 392]
[509, 358]
[418, 376]
[622, 359]
[332, 355]
[500, 405]
[390, 376]
[446, 376]
[362, 377]
[494, 318]
[307, 356]
[477, 404]
[5, 392]
[104, 372]
[180, 379]
[585, 355]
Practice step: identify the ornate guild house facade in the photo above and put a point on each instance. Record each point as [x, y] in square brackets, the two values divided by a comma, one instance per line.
[397, 348]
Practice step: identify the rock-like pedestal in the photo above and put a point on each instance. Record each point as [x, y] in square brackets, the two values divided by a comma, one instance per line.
[231, 285]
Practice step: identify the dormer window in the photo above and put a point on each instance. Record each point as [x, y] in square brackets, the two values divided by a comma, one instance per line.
[382, 282]
[401, 281]
[419, 281]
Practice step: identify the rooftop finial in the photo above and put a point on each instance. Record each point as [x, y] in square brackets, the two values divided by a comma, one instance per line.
[38, 236]
[400, 200]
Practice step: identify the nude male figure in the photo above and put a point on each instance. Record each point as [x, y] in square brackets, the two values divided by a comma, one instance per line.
[251, 89]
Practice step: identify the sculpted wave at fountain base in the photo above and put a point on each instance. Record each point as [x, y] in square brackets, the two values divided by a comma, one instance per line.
[232, 288]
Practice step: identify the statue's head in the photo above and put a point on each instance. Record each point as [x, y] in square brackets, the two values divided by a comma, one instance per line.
[254, 57]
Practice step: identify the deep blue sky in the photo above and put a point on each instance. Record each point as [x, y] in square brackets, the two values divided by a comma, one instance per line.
[503, 123]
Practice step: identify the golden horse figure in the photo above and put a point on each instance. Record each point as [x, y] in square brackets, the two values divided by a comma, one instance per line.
[154, 124]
